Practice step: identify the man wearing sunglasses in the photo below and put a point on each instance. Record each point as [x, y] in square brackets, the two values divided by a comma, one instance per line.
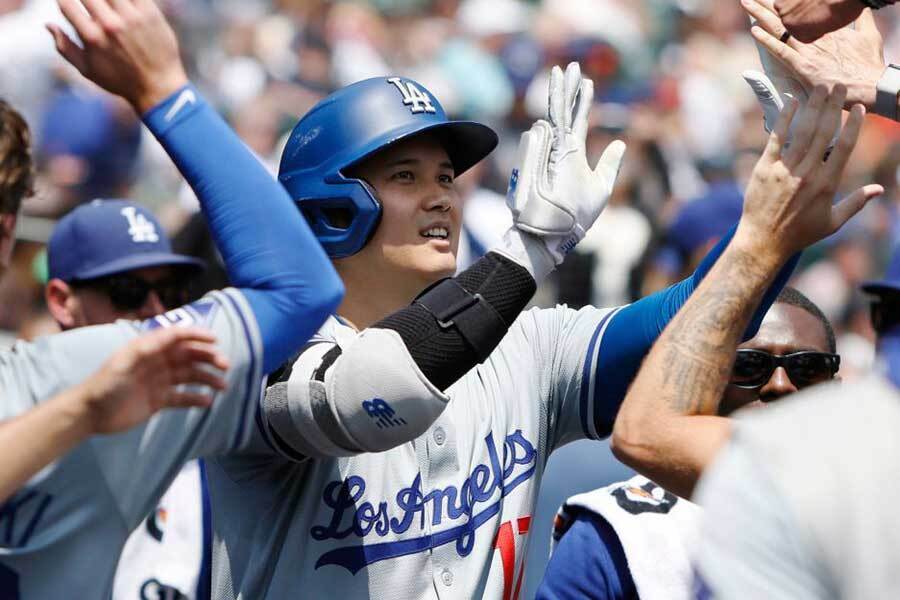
[111, 260]
[801, 503]
[631, 539]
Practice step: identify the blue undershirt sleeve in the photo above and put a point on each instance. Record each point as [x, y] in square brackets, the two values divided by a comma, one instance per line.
[268, 248]
[633, 330]
[588, 563]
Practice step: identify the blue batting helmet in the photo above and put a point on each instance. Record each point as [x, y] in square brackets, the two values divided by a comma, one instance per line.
[350, 125]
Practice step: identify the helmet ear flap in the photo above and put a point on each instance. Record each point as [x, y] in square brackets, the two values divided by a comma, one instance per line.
[343, 216]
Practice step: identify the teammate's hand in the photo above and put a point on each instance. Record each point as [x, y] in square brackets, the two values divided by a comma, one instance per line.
[808, 20]
[128, 48]
[853, 57]
[144, 377]
[554, 194]
[788, 203]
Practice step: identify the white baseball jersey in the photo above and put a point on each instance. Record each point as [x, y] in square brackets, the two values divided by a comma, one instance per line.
[166, 555]
[444, 516]
[61, 534]
[802, 503]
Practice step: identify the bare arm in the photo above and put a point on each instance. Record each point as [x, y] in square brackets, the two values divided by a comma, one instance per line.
[131, 386]
[666, 428]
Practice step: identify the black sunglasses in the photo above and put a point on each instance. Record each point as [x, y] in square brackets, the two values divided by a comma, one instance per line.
[753, 368]
[129, 292]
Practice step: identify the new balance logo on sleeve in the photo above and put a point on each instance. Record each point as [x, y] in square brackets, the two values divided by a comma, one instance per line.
[382, 412]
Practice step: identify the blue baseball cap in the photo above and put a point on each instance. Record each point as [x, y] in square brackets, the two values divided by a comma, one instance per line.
[891, 281]
[105, 237]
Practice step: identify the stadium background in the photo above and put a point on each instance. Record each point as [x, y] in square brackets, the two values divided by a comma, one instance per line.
[668, 82]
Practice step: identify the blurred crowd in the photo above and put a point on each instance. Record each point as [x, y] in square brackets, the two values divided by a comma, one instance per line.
[668, 80]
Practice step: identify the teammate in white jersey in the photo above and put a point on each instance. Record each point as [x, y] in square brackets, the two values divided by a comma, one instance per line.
[61, 533]
[635, 539]
[138, 380]
[435, 499]
[110, 260]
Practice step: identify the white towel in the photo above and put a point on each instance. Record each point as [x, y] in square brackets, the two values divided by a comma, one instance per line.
[658, 531]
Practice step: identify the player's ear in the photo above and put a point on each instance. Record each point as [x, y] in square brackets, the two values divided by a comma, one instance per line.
[59, 298]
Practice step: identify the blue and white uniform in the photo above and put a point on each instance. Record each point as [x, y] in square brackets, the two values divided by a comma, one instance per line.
[62, 532]
[447, 514]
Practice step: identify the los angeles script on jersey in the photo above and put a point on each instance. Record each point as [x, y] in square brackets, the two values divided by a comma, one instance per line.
[473, 504]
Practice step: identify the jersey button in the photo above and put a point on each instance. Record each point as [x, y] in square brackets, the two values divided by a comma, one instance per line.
[447, 577]
[439, 436]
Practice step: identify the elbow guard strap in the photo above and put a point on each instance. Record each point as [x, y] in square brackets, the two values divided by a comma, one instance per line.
[479, 324]
[457, 323]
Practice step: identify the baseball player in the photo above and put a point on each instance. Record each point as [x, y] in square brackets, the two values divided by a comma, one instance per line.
[73, 518]
[137, 381]
[633, 539]
[666, 428]
[431, 493]
[111, 260]
[801, 503]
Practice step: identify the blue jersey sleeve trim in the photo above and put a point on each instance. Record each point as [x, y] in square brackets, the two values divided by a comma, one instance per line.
[204, 580]
[588, 378]
[634, 329]
[253, 383]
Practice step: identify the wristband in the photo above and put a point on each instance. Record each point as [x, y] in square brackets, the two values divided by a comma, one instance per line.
[888, 87]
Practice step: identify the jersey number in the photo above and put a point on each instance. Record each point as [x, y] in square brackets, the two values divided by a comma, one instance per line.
[506, 544]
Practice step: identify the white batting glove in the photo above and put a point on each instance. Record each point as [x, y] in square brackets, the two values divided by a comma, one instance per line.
[773, 87]
[554, 195]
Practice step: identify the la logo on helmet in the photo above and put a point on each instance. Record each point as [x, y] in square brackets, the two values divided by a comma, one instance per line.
[416, 99]
[139, 228]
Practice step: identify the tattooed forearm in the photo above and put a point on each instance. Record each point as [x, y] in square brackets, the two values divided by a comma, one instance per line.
[698, 346]
[663, 429]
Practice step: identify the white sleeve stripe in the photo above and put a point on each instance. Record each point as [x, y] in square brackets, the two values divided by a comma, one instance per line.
[589, 382]
[254, 382]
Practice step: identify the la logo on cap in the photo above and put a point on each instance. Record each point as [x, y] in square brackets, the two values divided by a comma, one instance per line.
[139, 228]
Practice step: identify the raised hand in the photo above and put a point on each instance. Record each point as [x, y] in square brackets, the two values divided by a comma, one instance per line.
[852, 56]
[808, 20]
[788, 203]
[554, 193]
[128, 48]
[149, 374]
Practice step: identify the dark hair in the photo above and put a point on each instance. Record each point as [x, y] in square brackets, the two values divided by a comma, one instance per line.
[794, 297]
[16, 169]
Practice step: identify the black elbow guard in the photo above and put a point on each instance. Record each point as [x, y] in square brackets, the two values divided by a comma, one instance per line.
[456, 323]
